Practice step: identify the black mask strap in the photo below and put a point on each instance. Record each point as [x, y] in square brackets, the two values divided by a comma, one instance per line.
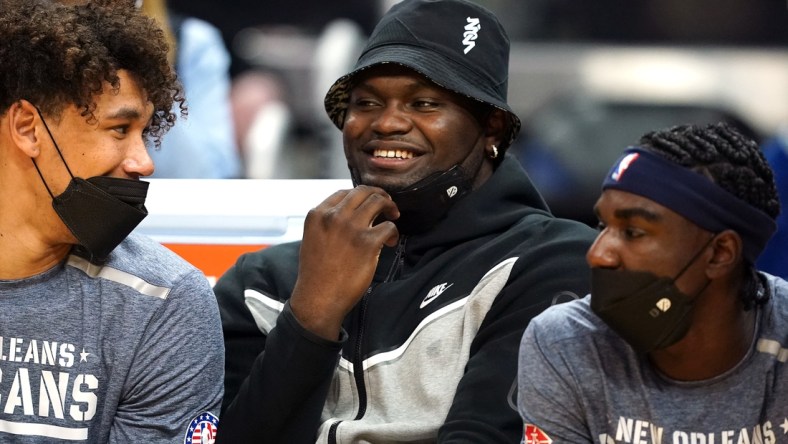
[59, 153]
[695, 257]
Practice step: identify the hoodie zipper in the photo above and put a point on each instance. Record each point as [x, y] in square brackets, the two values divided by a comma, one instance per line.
[358, 364]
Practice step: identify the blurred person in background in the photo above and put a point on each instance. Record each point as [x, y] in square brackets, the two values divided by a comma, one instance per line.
[284, 55]
[305, 17]
[203, 144]
[774, 258]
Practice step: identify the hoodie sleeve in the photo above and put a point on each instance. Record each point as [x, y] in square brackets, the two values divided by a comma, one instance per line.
[277, 383]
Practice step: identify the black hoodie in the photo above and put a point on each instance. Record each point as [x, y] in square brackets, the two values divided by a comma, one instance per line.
[437, 333]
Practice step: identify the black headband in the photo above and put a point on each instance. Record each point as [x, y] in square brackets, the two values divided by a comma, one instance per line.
[691, 195]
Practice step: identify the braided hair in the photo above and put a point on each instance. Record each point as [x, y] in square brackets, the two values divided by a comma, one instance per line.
[732, 161]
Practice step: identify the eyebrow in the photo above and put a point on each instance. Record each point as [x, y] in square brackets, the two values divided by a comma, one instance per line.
[629, 213]
[125, 112]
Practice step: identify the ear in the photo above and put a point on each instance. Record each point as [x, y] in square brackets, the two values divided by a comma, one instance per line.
[23, 127]
[726, 256]
[495, 127]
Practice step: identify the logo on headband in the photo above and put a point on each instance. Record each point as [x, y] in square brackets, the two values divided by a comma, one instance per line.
[623, 165]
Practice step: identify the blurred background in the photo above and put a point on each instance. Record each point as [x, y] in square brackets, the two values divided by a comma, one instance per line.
[587, 79]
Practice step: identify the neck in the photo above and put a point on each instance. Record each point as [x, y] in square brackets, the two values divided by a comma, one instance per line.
[23, 239]
[28, 258]
[719, 338]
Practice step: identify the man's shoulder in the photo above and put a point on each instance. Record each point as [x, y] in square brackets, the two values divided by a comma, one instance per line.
[137, 251]
[279, 255]
[543, 234]
[568, 321]
[556, 245]
[557, 227]
[576, 342]
[144, 265]
[778, 304]
[779, 286]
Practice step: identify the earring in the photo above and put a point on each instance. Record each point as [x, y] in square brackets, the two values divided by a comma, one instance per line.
[494, 153]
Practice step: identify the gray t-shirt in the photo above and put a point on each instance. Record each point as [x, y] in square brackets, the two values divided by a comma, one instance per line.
[579, 382]
[128, 352]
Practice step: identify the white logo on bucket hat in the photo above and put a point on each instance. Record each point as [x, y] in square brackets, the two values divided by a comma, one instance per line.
[471, 33]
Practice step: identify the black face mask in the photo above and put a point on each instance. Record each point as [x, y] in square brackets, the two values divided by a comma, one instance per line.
[425, 203]
[100, 211]
[646, 310]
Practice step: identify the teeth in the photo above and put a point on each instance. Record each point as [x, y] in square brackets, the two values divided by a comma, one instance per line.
[398, 154]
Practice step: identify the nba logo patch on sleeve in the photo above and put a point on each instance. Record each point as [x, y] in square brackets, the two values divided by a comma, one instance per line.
[202, 429]
[534, 435]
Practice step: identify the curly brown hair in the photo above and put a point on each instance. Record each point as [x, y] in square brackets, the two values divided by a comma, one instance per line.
[54, 55]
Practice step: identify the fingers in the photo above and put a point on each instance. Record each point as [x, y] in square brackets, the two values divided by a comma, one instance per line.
[339, 255]
[362, 205]
[385, 232]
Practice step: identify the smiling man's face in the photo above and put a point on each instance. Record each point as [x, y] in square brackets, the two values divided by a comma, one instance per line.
[400, 128]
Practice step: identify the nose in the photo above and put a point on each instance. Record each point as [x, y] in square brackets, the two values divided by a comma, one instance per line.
[138, 162]
[602, 253]
[392, 119]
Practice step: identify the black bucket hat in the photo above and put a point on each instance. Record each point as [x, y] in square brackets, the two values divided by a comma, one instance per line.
[458, 45]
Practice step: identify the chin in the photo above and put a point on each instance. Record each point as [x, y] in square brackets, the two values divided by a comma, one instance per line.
[389, 184]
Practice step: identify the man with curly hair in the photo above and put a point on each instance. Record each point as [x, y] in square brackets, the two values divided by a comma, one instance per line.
[681, 339]
[104, 336]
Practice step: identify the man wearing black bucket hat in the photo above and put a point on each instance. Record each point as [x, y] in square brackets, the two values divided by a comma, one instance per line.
[681, 339]
[397, 318]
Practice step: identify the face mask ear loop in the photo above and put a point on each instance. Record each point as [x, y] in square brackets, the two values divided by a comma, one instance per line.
[697, 255]
[42, 178]
[57, 148]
